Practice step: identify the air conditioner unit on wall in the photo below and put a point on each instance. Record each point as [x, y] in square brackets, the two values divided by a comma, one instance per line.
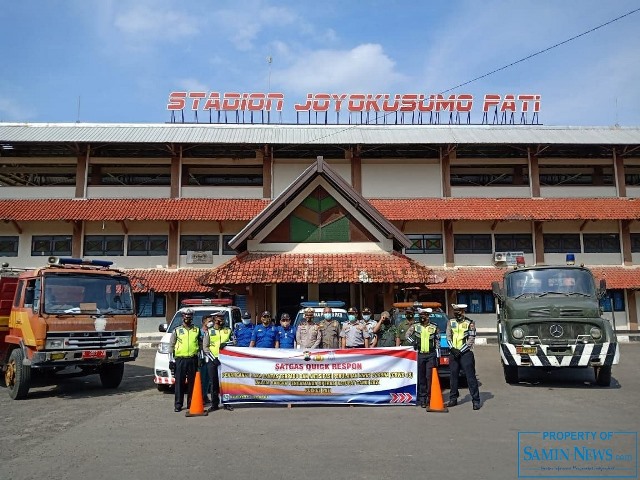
[499, 257]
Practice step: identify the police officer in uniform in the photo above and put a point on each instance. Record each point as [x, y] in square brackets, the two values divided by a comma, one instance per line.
[216, 337]
[404, 325]
[330, 329]
[367, 318]
[308, 334]
[426, 339]
[285, 332]
[461, 335]
[184, 346]
[385, 332]
[354, 333]
[243, 331]
[264, 335]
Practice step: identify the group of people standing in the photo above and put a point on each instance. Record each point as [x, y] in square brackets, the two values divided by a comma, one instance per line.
[191, 347]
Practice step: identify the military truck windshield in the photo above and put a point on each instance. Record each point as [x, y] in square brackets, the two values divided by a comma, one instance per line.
[546, 281]
[78, 293]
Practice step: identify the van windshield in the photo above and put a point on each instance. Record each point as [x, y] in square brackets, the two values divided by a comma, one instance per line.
[198, 315]
[339, 315]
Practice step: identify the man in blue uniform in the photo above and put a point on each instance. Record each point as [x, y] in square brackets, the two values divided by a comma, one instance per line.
[265, 334]
[286, 333]
[243, 331]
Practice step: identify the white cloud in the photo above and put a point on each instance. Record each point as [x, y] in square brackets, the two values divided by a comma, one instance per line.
[243, 28]
[12, 111]
[192, 85]
[151, 22]
[365, 68]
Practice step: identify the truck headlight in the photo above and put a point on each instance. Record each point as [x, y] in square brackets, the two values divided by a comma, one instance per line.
[54, 344]
[123, 341]
[517, 332]
[595, 332]
[163, 347]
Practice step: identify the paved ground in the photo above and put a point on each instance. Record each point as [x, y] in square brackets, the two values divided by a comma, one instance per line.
[76, 430]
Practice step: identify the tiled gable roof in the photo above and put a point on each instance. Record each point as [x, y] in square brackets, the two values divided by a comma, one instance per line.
[480, 278]
[394, 268]
[509, 208]
[165, 280]
[131, 209]
[319, 268]
[204, 209]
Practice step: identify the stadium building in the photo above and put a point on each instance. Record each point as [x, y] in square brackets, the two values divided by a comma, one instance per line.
[368, 214]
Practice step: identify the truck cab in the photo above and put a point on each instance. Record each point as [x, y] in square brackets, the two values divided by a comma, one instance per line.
[72, 313]
[550, 317]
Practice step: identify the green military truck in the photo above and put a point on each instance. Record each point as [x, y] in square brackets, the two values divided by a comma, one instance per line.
[550, 317]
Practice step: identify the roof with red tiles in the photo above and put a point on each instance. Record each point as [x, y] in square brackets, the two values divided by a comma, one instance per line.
[509, 208]
[131, 209]
[480, 278]
[204, 209]
[297, 267]
[320, 268]
[164, 280]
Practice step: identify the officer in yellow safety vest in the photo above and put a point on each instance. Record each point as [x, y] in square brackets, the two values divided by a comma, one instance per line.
[461, 335]
[184, 346]
[215, 338]
[426, 339]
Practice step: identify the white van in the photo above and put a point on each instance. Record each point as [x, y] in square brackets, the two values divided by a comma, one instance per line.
[201, 308]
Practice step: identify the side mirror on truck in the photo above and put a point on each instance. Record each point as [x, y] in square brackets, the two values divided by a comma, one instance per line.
[497, 291]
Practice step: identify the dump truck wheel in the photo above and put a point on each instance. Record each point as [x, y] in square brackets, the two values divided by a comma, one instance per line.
[111, 374]
[17, 376]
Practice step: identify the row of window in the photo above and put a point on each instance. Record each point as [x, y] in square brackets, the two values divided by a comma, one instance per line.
[478, 302]
[483, 302]
[148, 245]
[523, 242]
[114, 245]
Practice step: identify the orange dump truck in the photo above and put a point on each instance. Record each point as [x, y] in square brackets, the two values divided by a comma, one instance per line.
[71, 314]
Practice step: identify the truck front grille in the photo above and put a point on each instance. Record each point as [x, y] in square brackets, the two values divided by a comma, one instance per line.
[88, 340]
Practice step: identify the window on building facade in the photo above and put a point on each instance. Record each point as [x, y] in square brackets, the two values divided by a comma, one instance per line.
[42, 175]
[514, 242]
[477, 301]
[150, 309]
[601, 242]
[130, 175]
[45, 245]
[489, 175]
[561, 242]
[424, 243]
[147, 245]
[245, 176]
[635, 242]
[199, 243]
[472, 243]
[9, 246]
[226, 249]
[103, 245]
[613, 298]
[555, 175]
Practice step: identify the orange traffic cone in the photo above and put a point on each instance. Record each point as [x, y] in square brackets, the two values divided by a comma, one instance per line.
[196, 409]
[436, 402]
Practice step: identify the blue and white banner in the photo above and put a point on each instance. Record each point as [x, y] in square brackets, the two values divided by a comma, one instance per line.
[376, 376]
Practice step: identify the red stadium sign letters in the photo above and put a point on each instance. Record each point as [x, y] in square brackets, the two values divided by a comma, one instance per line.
[353, 102]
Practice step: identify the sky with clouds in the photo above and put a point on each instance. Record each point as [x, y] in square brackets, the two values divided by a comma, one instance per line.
[118, 60]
